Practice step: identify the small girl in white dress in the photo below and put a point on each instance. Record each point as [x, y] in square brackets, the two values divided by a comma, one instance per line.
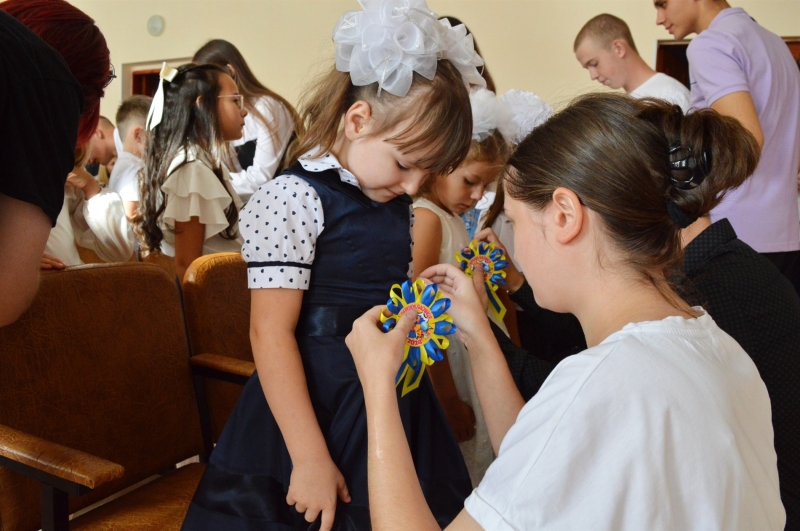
[188, 207]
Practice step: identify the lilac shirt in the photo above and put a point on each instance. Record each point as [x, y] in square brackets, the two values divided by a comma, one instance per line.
[735, 54]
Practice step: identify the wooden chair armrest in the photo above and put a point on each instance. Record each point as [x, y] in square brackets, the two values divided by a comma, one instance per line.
[54, 464]
[223, 364]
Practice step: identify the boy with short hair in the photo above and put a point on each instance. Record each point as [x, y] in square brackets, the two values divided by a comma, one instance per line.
[605, 47]
[124, 179]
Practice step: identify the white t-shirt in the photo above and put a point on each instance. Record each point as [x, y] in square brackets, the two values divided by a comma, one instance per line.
[124, 178]
[664, 425]
[666, 88]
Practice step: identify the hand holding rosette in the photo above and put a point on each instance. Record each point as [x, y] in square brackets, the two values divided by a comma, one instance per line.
[426, 340]
[492, 261]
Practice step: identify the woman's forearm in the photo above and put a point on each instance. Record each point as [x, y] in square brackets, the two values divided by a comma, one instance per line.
[395, 496]
[500, 400]
[280, 370]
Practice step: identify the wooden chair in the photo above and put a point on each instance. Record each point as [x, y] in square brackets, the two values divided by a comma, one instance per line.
[217, 306]
[96, 395]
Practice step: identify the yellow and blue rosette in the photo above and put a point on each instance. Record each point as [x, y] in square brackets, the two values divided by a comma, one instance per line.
[426, 340]
[492, 260]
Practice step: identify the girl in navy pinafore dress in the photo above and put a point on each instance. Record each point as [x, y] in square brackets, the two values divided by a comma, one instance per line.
[324, 242]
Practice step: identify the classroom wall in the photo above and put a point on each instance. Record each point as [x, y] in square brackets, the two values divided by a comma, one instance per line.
[527, 44]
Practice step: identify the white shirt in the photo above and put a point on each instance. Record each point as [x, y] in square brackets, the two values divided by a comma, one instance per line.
[193, 190]
[664, 425]
[664, 87]
[98, 224]
[281, 223]
[268, 152]
[124, 178]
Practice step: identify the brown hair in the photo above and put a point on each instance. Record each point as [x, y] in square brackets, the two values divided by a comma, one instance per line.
[612, 151]
[133, 109]
[222, 53]
[439, 112]
[603, 30]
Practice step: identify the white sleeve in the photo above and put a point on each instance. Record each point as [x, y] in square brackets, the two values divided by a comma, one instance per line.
[100, 224]
[280, 226]
[268, 153]
[127, 184]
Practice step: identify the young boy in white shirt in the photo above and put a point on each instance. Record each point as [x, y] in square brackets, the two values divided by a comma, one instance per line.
[124, 179]
[605, 47]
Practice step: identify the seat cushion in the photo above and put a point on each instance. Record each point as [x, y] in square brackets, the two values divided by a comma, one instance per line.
[160, 505]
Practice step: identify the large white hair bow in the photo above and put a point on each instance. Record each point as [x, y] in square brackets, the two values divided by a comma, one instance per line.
[391, 39]
[156, 111]
[515, 114]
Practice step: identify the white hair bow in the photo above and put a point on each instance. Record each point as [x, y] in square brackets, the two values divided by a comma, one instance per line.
[157, 107]
[391, 39]
[515, 114]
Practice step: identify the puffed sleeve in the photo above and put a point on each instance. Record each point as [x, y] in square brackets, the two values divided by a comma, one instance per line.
[100, 224]
[193, 190]
[280, 226]
[269, 147]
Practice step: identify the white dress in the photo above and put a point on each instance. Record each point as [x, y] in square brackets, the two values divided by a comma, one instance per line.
[193, 190]
[478, 453]
[269, 149]
[98, 224]
[665, 425]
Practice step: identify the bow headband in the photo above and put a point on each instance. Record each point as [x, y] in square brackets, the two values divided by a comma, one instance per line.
[515, 114]
[157, 107]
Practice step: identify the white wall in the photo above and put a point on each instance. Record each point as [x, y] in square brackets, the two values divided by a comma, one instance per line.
[527, 44]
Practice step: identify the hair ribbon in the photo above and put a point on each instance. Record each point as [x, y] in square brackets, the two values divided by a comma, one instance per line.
[157, 107]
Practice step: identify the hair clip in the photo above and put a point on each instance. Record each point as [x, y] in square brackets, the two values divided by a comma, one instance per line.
[157, 107]
[698, 169]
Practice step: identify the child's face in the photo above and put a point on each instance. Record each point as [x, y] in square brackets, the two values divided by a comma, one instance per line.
[230, 116]
[462, 189]
[382, 170]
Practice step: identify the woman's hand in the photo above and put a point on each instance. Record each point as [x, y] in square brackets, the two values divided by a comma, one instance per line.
[466, 307]
[377, 355]
[514, 279]
[314, 488]
[51, 262]
[82, 180]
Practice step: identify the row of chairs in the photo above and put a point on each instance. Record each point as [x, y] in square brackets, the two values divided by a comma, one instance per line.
[113, 376]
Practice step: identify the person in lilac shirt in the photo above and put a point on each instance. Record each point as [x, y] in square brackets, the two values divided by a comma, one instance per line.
[740, 69]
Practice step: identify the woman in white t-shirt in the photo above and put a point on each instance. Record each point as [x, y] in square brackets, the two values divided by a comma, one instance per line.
[663, 422]
[269, 126]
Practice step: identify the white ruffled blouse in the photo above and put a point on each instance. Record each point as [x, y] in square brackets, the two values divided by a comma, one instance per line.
[193, 190]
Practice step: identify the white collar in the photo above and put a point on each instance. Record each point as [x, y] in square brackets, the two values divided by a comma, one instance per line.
[192, 154]
[311, 162]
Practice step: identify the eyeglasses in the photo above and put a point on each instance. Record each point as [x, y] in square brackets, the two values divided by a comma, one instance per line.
[111, 75]
[238, 99]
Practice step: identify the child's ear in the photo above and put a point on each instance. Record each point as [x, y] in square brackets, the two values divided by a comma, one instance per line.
[138, 133]
[198, 101]
[568, 212]
[357, 120]
[231, 70]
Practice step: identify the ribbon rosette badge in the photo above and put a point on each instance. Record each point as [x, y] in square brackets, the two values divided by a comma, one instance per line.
[492, 260]
[426, 340]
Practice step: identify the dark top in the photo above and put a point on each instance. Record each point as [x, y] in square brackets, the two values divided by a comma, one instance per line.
[40, 107]
[750, 300]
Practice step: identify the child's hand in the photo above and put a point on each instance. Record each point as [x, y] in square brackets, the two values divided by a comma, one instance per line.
[314, 488]
[82, 180]
[514, 279]
[51, 262]
[377, 355]
[466, 307]
[460, 417]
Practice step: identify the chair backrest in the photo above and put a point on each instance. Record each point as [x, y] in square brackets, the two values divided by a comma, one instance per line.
[218, 317]
[99, 363]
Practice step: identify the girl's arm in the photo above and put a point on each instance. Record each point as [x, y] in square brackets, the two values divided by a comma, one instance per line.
[500, 400]
[395, 496]
[427, 247]
[189, 238]
[316, 482]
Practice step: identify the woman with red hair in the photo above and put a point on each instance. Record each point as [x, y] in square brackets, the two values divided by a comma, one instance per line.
[54, 66]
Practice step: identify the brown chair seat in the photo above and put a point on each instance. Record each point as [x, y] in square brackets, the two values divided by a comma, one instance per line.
[157, 506]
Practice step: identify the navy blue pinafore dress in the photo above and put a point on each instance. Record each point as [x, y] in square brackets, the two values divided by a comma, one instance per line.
[364, 249]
